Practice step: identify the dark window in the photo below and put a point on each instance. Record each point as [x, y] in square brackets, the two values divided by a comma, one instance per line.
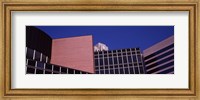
[95, 53]
[116, 71]
[116, 66]
[101, 71]
[105, 61]
[83, 72]
[137, 48]
[40, 65]
[129, 59]
[37, 56]
[96, 62]
[141, 70]
[126, 71]
[47, 72]
[106, 67]
[123, 50]
[105, 55]
[56, 68]
[121, 71]
[119, 54]
[136, 70]
[111, 71]
[134, 58]
[133, 49]
[70, 71]
[30, 53]
[106, 72]
[139, 58]
[95, 56]
[63, 70]
[100, 52]
[120, 60]
[101, 62]
[30, 70]
[114, 51]
[48, 66]
[39, 71]
[131, 71]
[125, 59]
[125, 65]
[111, 66]
[110, 61]
[114, 54]
[77, 72]
[120, 66]
[130, 64]
[43, 58]
[97, 72]
[31, 62]
[115, 60]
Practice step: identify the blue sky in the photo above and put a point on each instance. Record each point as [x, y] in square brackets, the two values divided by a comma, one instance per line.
[115, 37]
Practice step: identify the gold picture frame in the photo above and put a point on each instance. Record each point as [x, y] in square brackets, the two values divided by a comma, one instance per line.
[7, 6]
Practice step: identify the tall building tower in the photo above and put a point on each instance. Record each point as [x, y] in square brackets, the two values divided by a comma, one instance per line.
[159, 58]
[122, 61]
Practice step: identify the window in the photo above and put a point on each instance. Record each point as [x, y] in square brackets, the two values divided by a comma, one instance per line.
[110, 61]
[129, 59]
[101, 62]
[136, 70]
[106, 72]
[38, 71]
[121, 71]
[77, 72]
[44, 58]
[63, 70]
[106, 61]
[37, 55]
[56, 68]
[115, 60]
[31, 62]
[48, 66]
[125, 59]
[141, 70]
[134, 58]
[116, 71]
[40, 65]
[120, 60]
[29, 54]
[96, 62]
[101, 71]
[70, 71]
[30, 70]
[131, 71]
[126, 71]
[97, 72]
[111, 71]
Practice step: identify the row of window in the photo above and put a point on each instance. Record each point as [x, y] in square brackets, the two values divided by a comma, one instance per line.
[35, 55]
[52, 68]
[169, 64]
[119, 66]
[117, 54]
[138, 70]
[118, 60]
[159, 51]
[114, 51]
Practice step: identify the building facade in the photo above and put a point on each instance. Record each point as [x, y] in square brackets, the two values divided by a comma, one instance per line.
[159, 59]
[122, 61]
[39, 53]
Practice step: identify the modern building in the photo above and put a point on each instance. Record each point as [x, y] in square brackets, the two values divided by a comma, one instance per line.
[39, 47]
[122, 61]
[159, 58]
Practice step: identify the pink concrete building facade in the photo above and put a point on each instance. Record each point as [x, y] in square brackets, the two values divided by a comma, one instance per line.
[75, 52]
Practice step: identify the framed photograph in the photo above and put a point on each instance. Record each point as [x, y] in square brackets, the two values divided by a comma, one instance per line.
[100, 49]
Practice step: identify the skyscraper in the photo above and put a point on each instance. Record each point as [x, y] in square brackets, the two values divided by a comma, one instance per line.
[122, 61]
[159, 58]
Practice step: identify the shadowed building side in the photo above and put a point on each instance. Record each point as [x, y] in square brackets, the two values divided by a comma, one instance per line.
[159, 58]
[38, 40]
[74, 52]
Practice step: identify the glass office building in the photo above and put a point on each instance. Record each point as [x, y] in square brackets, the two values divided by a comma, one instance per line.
[159, 59]
[122, 61]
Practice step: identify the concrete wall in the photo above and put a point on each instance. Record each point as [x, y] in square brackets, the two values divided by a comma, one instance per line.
[74, 52]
